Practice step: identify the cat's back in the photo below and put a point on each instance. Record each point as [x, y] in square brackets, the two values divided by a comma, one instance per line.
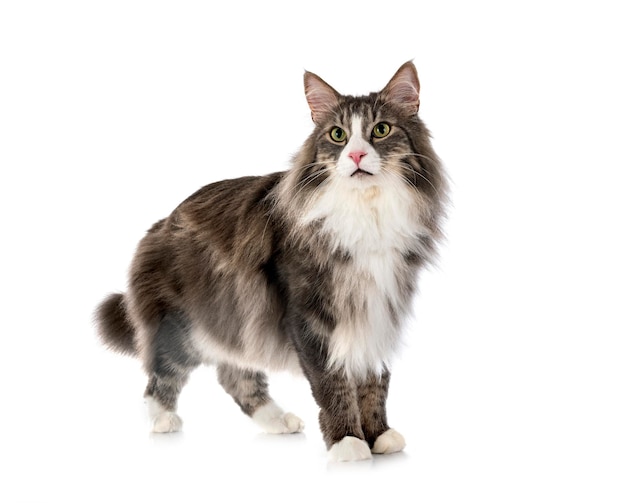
[219, 205]
[223, 215]
[223, 228]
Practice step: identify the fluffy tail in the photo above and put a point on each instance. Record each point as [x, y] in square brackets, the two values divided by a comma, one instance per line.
[114, 327]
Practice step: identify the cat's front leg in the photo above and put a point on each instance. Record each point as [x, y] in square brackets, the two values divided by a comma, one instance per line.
[339, 417]
[372, 397]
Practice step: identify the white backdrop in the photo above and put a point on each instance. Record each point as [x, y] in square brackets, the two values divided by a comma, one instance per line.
[512, 383]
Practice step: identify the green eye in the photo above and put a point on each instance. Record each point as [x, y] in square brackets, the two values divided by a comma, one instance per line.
[337, 134]
[381, 130]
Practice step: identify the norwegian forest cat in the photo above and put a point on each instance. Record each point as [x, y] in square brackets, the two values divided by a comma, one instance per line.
[312, 270]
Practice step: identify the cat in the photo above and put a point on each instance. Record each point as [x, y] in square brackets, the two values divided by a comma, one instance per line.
[312, 270]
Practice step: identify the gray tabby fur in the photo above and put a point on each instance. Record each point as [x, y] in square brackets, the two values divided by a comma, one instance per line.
[311, 270]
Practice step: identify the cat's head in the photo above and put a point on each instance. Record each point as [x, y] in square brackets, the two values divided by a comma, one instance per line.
[366, 141]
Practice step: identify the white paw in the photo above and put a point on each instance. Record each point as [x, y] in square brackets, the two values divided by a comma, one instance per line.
[388, 442]
[272, 419]
[163, 421]
[167, 422]
[294, 423]
[350, 449]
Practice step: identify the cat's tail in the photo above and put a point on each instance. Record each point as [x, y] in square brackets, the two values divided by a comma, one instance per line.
[114, 327]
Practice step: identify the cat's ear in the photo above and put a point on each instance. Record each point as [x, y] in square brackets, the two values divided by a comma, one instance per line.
[322, 98]
[404, 88]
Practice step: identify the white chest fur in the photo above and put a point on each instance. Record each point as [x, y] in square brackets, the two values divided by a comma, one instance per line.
[375, 225]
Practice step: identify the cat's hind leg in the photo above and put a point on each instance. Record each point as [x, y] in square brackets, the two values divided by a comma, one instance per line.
[168, 360]
[164, 417]
[249, 389]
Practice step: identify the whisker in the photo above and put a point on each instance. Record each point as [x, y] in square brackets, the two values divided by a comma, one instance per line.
[407, 154]
[404, 167]
[316, 163]
[302, 184]
[410, 168]
[398, 176]
[315, 174]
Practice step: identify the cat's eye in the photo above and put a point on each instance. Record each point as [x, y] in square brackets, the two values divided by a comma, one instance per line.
[337, 134]
[381, 130]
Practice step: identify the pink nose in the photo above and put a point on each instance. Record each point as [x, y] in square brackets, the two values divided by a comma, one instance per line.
[357, 156]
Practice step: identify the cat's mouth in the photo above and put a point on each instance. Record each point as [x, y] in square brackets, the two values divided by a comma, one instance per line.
[361, 172]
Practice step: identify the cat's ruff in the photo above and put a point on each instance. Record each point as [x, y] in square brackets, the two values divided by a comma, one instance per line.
[376, 224]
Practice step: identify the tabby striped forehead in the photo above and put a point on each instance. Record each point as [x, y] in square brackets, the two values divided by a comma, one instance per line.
[365, 107]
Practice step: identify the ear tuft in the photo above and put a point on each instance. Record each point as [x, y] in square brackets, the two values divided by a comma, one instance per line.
[322, 98]
[404, 88]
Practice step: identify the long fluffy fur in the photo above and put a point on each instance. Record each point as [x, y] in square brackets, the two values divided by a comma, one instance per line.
[311, 269]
